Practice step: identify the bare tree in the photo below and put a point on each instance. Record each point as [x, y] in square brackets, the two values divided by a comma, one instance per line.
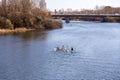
[4, 8]
[42, 4]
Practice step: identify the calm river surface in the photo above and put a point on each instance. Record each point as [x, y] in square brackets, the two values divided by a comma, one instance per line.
[30, 55]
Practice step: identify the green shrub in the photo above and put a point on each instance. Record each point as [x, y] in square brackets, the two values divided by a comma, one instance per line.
[52, 24]
[5, 23]
[9, 25]
[29, 20]
[2, 22]
[16, 19]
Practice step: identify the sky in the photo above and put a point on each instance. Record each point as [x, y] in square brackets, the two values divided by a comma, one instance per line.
[80, 4]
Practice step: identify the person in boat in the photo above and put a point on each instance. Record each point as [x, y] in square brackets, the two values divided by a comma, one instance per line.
[67, 49]
[72, 49]
[56, 49]
[62, 48]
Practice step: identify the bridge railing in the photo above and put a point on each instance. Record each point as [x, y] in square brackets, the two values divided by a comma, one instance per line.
[85, 15]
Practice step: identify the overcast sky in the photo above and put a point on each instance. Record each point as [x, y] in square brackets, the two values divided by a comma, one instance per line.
[80, 4]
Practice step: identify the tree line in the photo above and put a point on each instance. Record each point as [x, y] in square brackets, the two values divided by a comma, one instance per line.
[26, 13]
[96, 10]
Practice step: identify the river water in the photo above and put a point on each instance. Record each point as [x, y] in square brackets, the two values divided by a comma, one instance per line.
[30, 55]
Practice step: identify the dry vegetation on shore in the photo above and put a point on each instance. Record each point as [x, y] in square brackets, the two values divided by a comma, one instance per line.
[3, 31]
[22, 15]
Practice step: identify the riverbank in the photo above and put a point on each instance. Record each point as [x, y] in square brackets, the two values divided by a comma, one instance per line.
[17, 30]
[48, 24]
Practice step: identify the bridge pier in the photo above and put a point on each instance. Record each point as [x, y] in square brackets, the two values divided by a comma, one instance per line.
[102, 19]
[67, 20]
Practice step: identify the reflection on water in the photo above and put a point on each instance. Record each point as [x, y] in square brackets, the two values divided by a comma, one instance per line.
[30, 55]
[29, 35]
[32, 35]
